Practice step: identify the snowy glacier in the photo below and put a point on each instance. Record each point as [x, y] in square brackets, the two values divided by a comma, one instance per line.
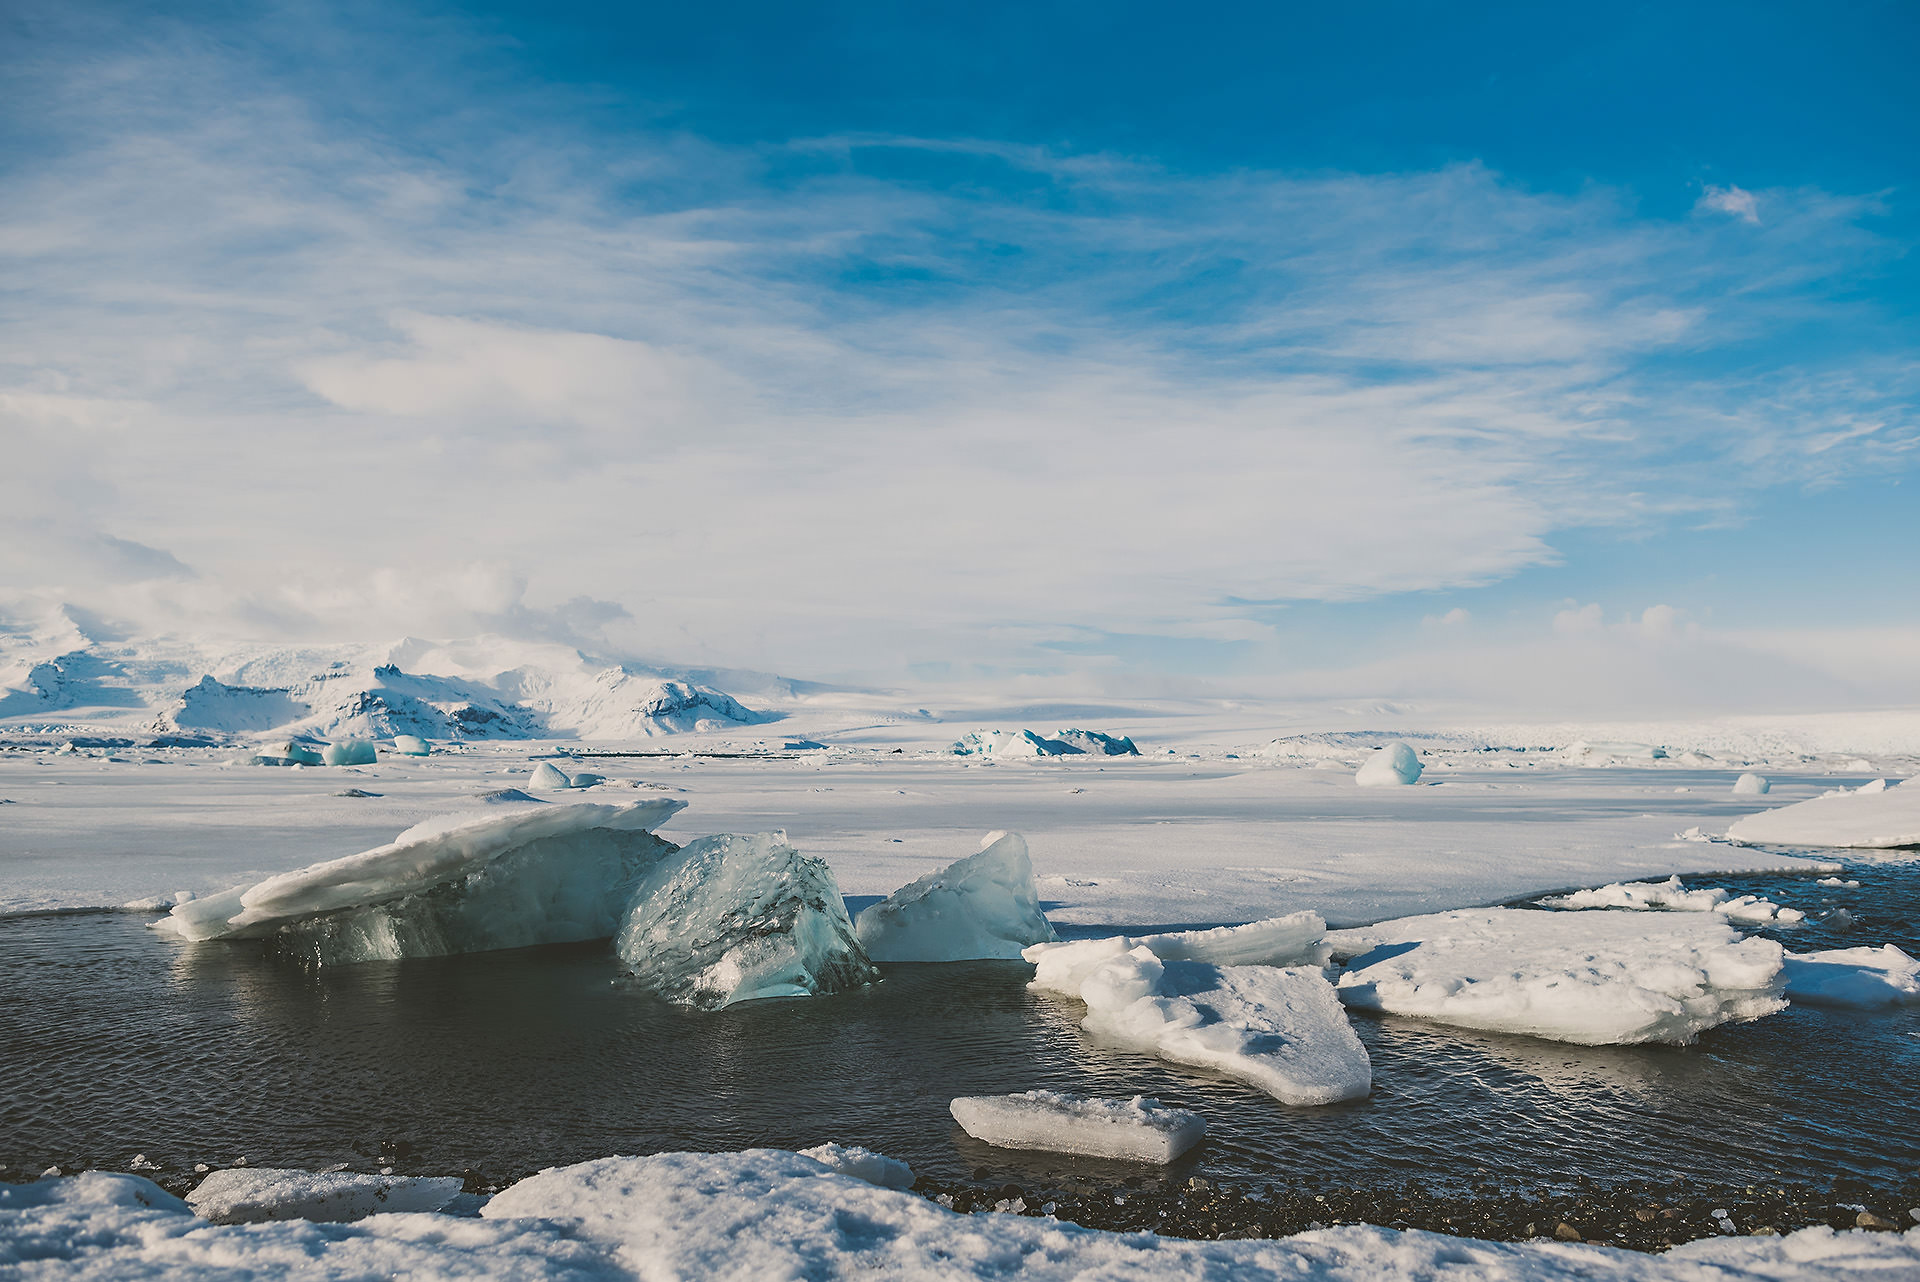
[981, 907]
[732, 918]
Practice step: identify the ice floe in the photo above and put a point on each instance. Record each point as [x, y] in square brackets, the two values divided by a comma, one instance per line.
[1279, 1029]
[1137, 1129]
[1593, 978]
[1672, 895]
[731, 918]
[254, 1195]
[1862, 978]
[1393, 765]
[982, 906]
[1868, 817]
[862, 1164]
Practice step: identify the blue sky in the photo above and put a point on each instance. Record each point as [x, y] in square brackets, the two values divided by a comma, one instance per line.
[1281, 347]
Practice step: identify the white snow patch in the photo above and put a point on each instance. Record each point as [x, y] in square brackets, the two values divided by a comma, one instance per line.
[253, 1195]
[1673, 895]
[1393, 765]
[1868, 817]
[1590, 978]
[1137, 1129]
[1862, 978]
[983, 906]
[862, 1164]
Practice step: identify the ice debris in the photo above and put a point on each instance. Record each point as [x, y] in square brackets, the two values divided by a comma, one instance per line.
[732, 918]
[862, 1164]
[411, 745]
[349, 752]
[1868, 817]
[1392, 765]
[254, 1195]
[1279, 1029]
[1751, 785]
[1590, 978]
[1139, 1129]
[1861, 978]
[1672, 895]
[983, 906]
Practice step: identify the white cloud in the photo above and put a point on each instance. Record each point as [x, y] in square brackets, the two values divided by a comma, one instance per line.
[1733, 201]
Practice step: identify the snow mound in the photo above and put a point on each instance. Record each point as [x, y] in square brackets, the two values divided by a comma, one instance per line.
[983, 906]
[411, 745]
[1869, 818]
[1590, 978]
[1016, 744]
[1139, 1129]
[862, 1164]
[1751, 785]
[249, 1195]
[1392, 765]
[547, 776]
[535, 874]
[732, 918]
[1672, 895]
[1861, 978]
[1281, 1030]
[349, 752]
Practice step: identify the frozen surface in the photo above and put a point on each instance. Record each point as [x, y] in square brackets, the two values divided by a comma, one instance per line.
[1137, 1129]
[1279, 1029]
[1750, 784]
[1869, 817]
[732, 918]
[249, 1195]
[467, 882]
[770, 1214]
[1861, 978]
[1595, 978]
[983, 906]
[862, 1164]
[1672, 895]
[1393, 765]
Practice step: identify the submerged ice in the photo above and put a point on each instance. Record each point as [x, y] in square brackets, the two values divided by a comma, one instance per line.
[984, 906]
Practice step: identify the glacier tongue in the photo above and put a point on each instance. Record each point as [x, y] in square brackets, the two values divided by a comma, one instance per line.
[984, 906]
[731, 918]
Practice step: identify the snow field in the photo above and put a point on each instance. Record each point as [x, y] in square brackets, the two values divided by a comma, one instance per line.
[1137, 1129]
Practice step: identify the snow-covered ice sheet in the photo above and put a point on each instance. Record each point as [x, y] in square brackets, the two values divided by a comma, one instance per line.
[1281, 1030]
[1868, 817]
[1673, 895]
[766, 1214]
[1594, 978]
[254, 1195]
[984, 906]
[1137, 1129]
[1861, 978]
[733, 918]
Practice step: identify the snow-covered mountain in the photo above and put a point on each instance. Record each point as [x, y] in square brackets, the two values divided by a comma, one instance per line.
[64, 670]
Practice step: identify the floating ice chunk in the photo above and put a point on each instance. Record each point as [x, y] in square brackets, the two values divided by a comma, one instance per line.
[983, 906]
[411, 745]
[1012, 744]
[349, 752]
[1672, 895]
[301, 754]
[254, 1195]
[546, 775]
[1138, 1130]
[732, 918]
[1293, 940]
[862, 1164]
[1394, 764]
[1096, 744]
[1863, 978]
[1751, 785]
[1840, 883]
[1591, 978]
[1866, 817]
[535, 874]
[1281, 1030]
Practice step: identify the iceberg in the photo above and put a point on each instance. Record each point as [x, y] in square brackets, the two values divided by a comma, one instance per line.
[1672, 895]
[1137, 1129]
[411, 745]
[547, 777]
[1591, 978]
[1279, 1029]
[255, 1195]
[299, 754]
[732, 918]
[1096, 744]
[1751, 785]
[1031, 744]
[1293, 940]
[521, 873]
[1869, 817]
[1861, 978]
[1390, 766]
[349, 752]
[981, 907]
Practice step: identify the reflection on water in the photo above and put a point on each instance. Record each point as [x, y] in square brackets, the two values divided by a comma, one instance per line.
[114, 1041]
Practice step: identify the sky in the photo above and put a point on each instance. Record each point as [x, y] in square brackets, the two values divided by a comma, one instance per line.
[1522, 354]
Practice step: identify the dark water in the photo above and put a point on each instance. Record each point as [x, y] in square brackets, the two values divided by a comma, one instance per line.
[114, 1041]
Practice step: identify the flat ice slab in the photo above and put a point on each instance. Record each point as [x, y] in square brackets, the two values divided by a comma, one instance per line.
[1279, 1029]
[1137, 1129]
[1672, 895]
[984, 906]
[1869, 817]
[1861, 978]
[254, 1195]
[1594, 978]
[733, 918]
